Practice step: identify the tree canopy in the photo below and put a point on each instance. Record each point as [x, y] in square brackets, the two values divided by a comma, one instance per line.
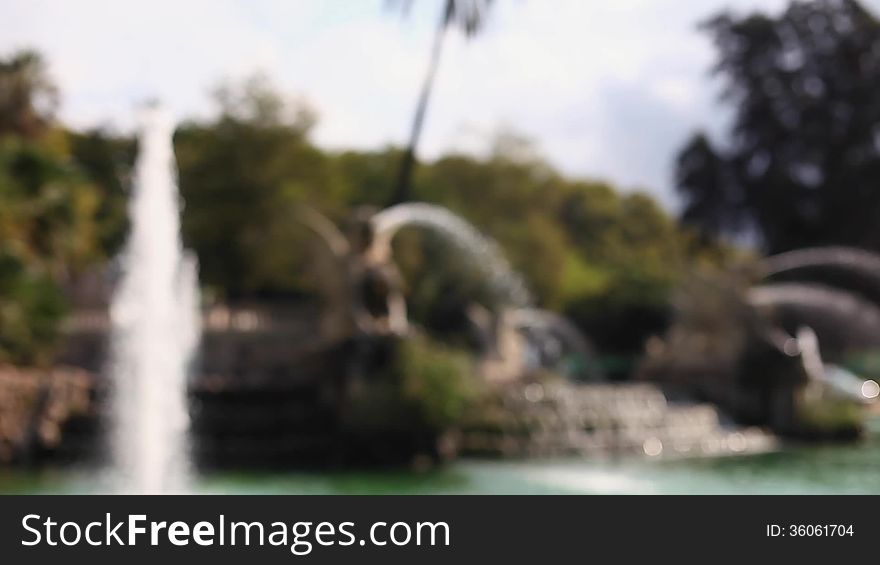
[48, 213]
[801, 163]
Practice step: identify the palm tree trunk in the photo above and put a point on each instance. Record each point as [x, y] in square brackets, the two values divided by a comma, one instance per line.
[403, 185]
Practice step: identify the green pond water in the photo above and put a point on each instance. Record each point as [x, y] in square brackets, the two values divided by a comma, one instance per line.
[837, 469]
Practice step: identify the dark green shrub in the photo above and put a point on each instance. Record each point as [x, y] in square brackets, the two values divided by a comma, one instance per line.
[423, 387]
[31, 309]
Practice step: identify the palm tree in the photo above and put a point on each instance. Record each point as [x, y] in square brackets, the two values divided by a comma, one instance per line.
[467, 15]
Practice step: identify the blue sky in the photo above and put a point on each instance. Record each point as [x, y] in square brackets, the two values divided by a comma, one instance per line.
[606, 89]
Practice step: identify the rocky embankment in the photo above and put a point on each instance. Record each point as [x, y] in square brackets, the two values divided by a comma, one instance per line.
[40, 407]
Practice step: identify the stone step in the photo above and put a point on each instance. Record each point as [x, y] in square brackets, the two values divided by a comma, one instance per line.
[569, 418]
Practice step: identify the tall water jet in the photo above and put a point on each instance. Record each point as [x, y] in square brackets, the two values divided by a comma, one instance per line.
[155, 325]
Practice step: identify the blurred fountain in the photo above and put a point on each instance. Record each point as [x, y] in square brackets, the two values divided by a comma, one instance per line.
[843, 320]
[843, 268]
[155, 325]
[557, 343]
[514, 335]
[482, 253]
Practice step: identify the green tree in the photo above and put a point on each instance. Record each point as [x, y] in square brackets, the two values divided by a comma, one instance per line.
[802, 161]
[627, 255]
[28, 97]
[47, 234]
[107, 160]
[48, 210]
[369, 175]
[242, 177]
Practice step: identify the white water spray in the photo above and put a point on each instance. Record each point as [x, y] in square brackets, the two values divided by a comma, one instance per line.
[155, 325]
[482, 252]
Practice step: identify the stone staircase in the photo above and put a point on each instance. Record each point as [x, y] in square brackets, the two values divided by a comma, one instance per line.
[560, 419]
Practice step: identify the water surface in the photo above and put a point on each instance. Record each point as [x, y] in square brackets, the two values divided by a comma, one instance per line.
[835, 469]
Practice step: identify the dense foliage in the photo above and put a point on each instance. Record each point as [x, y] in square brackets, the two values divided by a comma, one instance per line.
[49, 213]
[607, 259]
[424, 388]
[801, 164]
